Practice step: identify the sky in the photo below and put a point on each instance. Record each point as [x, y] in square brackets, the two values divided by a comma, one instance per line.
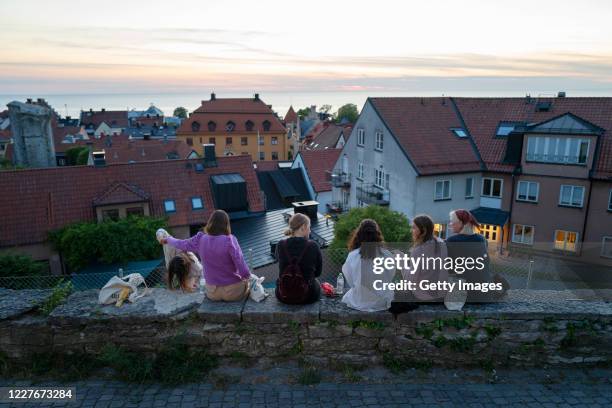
[452, 47]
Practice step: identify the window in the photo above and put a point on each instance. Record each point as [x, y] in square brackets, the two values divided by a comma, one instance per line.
[228, 141]
[505, 128]
[211, 140]
[360, 170]
[261, 140]
[244, 141]
[442, 190]
[379, 178]
[490, 232]
[606, 247]
[212, 126]
[274, 155]
[528, 191]
[562, 150]
[360, 137]
[440, 231]
[266, 125]
[571, 196]
[169, 206]
[379, 140]
[230, 126]
[134, 211]
[492, 187]
[196, 203]
[262, 155]
[522, 234]
[249, 126]
[459, 132]
[565, 240]
[469, 187]
[274, 140]
[610, 201]
[110, 215]
[195, 126]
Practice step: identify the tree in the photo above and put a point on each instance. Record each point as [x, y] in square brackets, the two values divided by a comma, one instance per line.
[128, 239]
[302, 113]
[393, 224]
[19, 265]
[348, 112]
[77, 156]
[180, 112]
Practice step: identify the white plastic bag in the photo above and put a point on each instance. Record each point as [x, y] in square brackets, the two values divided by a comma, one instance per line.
[455, 299]
[110, 292]
[257, 292]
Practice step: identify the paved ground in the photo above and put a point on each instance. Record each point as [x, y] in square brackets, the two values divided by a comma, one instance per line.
[277, 387]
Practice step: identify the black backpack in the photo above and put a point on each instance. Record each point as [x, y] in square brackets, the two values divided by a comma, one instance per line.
[291, 284]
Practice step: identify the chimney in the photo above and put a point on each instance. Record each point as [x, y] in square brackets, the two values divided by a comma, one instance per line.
[68, 118]
[213, 96]
[256, 96]
[210, 158]
[308, 208]
[40, 100]
[90, 110]
[29, 100]
[99, 158]
[103, 110]
[561, 94]
[527, 99]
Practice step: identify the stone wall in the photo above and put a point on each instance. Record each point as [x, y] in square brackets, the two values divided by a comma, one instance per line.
[530, 329]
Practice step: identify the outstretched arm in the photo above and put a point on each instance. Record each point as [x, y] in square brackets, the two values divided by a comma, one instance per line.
[186, 245]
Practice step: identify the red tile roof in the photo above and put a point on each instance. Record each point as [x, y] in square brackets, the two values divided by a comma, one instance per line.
[114, 119]
[319, 164]
[422, 127]
[269, 165]
[329, 136]
[291, 116]
[482, 117]
[238, 110]
[36, 201]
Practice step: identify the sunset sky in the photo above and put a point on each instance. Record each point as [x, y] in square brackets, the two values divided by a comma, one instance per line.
[111, 46]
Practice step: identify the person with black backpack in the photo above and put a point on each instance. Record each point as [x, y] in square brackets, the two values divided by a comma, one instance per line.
[299, 264]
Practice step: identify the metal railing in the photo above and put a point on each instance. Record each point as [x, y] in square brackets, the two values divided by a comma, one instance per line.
[372, 194]
[340, 179]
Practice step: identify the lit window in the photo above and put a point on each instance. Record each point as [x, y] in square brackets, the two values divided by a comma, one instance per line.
[571, 196]
[528, 191]
[606, 247]
[360, 137]
[469, 187]
[492, 187]
[379, 140]
[169, 206]
[565, 240]
[442, 190]
[522, 234]
[196, 203]
[459, 132]
[440, 231]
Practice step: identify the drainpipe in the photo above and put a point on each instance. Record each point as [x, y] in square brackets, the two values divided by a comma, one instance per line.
[514, 172]
[586, 217]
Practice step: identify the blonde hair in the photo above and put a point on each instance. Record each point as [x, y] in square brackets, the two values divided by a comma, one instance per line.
[296, 222]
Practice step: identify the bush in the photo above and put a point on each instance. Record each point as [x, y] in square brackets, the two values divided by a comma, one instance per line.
[128, 239]
[20, 265]
[393, 224]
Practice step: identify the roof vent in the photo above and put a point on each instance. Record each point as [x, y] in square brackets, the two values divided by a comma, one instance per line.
[213, 96]
[256, 96]
[103, 109]
[99, 158]
[561, 94]
[543, 106]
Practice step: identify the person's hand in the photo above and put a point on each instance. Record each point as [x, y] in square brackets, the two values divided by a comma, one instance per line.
[163, 241]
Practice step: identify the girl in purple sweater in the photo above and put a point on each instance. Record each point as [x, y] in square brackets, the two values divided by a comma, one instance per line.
[225, 271]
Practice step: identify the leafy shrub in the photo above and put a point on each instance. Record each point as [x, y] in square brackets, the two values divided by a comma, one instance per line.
[128, 239]
[393, 224]
[20, 265]
[60, 292]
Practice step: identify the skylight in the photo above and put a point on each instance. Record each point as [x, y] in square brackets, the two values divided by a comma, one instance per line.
[169, 206]
[459, 132]
[504, 129]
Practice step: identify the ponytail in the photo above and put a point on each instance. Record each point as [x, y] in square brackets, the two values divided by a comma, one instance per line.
[296, 222]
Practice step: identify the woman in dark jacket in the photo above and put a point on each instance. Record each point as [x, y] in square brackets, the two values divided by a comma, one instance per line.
[300, 264]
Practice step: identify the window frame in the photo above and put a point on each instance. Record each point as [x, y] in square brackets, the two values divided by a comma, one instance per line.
[379, 141]
[140, 208]
[274, 140]
[193, 207]
[109, 218]
[526, 199]
[274, 154]
[549, 157]
[522, 242]
[571, 203]
[450, 187]
[262, 155]
[471, 194]
[361, 137]
[603, 245]
[360, 171]
[456, 133]
[610, 201]
[379, 174]
[165, 202]
[493, 179]
[565, 236]
[244, 141]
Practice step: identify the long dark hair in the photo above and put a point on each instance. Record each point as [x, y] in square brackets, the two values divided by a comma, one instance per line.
[218, 224]
[368, 238]
[178, 268]
[426, 226]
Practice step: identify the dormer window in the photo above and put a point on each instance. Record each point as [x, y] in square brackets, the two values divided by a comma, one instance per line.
[230, 126]
[195, 126]
[249, 126]
[212, 126]
[266, 125]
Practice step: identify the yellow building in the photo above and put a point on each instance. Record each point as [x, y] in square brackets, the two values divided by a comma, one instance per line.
[233, 126]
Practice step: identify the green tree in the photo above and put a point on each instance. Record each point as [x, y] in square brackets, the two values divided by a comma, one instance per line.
[394, 225]
[128, 239]
[180, 112]
[77, 156]
[20, 265]
[348, 112]
[290, 155]
[302, 113]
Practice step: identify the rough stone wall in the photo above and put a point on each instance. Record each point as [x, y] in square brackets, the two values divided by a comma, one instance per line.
[32, 135]
[528, 332]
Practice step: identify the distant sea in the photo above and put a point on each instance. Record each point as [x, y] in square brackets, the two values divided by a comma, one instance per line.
[72, 104]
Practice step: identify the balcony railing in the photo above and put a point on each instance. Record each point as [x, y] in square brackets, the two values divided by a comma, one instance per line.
[372, 194]
[337, 207]
[340, 179]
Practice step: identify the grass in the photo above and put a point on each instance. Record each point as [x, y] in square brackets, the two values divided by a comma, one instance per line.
[398, 365]
[309, 376]
[59, 294]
